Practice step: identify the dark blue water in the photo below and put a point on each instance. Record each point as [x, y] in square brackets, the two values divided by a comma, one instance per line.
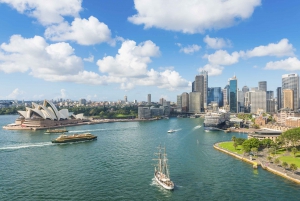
[119, 165]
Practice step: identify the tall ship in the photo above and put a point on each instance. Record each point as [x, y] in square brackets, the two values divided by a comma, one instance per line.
[218, 120]
[74, 138]
[161, 171]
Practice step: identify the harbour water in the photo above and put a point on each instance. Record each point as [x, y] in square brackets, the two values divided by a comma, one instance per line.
[119, 165]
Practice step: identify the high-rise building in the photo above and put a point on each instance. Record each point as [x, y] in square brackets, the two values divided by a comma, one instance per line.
[271, 105]
[161, 101]
[233, 96]
[226, 95]
[215, 94]
[200, 85]
[241, 101]
[245, 89]
[82, 101]
[288, 99]
[254, 100]
[179, 103]
[149, 99]
[270, 95]
[195, 102]
[185, 102]
[279, 106]
[205, 87]
[262, 85]
[125, 99]
[291, 81]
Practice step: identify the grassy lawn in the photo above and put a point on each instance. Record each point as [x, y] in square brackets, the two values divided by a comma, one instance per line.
[291, 159]
[229, 146]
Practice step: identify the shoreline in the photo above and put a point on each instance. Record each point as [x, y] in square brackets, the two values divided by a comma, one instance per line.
[265, 165]
[91, 122]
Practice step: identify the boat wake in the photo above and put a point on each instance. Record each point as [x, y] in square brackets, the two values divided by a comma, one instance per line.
[177, 129]
[29, 145]
[197, 127]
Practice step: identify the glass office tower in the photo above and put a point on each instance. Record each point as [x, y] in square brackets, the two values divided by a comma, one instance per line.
[233, 103]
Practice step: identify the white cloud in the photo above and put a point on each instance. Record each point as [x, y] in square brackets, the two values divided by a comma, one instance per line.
[212, 70]
[282, 48]
[46, 12]
[131, 60]
[216, 43]
[15, 94]
[192, 16]
[289, 64]
[127, 86]
[221, 57]
[83, 31]
[89, 59]
[190, 49]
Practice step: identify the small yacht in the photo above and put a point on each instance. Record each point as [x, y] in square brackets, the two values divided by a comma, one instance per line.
[171, 131]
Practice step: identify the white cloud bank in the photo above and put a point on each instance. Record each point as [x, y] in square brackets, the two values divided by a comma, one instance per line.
[289, 64]
[190, 49]
[46, 12]
[223, 58]
[83, 31]
[192, 16]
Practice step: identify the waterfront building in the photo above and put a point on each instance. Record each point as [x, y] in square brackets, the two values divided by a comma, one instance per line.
[199, 87]
[149, 99]
[288, 99]
[185, 102]
[233, 103]
[278, 90]
[46, 115]
[205, 87]
[156, 112]
[195, 102]
[291, 81]
[144, 113]
[262, 85]
[215, 95]
[265, 134]
[179, 103]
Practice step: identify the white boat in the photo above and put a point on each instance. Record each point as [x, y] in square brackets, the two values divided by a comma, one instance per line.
[171, 131]
[161, 171]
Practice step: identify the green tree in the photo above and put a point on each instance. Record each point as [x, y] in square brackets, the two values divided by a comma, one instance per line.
[276, 161]
[293, 167]
[235, 145]
[254, 150]
[285, 165]
[294, 151]
[233, 138]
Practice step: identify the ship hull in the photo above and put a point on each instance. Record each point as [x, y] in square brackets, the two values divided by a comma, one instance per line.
[74, 140]
[168, 187]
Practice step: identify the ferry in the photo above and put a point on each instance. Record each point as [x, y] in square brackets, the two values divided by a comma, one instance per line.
[56, 131]
[74, 138]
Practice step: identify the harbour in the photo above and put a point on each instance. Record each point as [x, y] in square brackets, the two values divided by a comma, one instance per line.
[119, 165]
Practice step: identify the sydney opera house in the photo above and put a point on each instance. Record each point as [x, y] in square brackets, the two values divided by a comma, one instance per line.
[44, 116]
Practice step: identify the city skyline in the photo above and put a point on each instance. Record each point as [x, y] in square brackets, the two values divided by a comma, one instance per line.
[103, 51]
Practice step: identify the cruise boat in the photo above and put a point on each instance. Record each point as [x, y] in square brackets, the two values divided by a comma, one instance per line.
[74, 138]
[171, 131]
[161, 171]
[216, 120]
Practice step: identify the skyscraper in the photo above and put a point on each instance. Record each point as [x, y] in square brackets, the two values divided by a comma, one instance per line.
[215, 94]
[279, 106]
[149, 99]
[291, 81]
[199, 87]
[125, 99]
[195, 102]
[288, 99]
[233, 103]
[245, 89]
[270, 95]
[205, 87]
[262, 85]
[179, 103]
[185, 102]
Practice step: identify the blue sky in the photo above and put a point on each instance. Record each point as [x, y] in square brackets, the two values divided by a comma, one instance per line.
[102, 50]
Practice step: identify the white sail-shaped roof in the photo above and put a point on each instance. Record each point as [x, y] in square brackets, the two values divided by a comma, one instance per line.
[45, 112]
